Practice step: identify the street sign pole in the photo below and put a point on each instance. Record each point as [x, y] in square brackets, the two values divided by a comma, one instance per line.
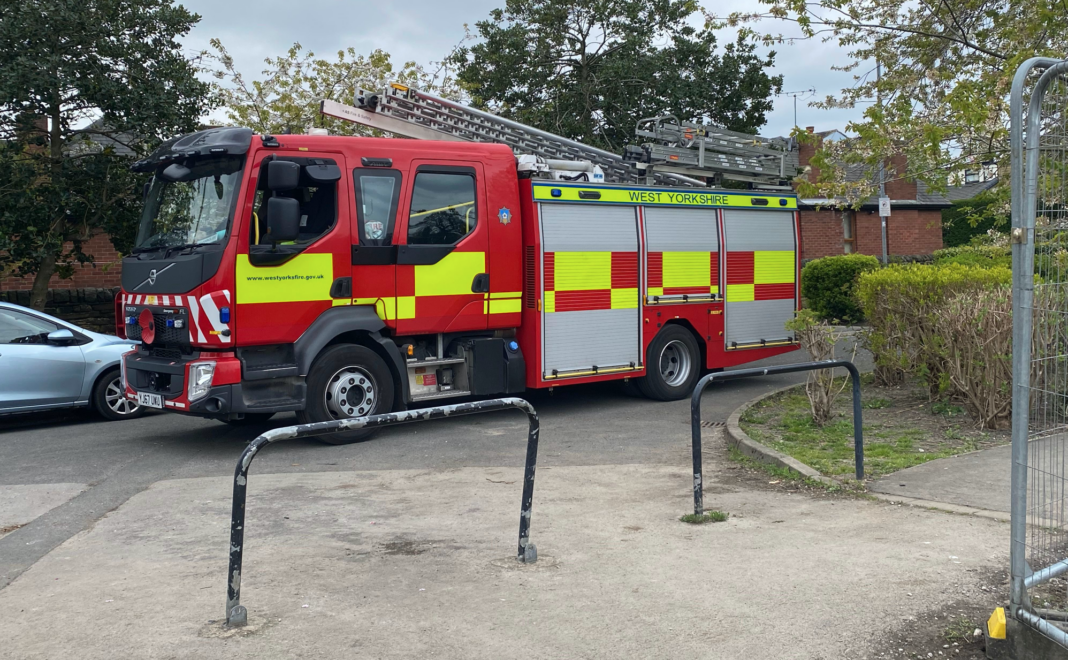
[883, 208]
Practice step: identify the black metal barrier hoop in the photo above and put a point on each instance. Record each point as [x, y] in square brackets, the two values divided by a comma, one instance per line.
[695, 413]
[236, 614]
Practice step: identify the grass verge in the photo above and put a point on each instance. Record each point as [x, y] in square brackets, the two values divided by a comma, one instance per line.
[902, 428]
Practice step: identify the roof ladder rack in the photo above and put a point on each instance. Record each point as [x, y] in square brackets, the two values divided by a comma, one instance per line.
[411, 113]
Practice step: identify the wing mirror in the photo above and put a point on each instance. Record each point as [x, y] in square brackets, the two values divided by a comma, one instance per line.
[282, 175]
[176, 172]
[60, 337]
[283, 219]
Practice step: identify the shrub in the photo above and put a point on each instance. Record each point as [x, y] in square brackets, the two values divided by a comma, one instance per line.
[976, 352]
[972, 217]
[985, 256]
[902, 304]
[828, 286]
[819, 339]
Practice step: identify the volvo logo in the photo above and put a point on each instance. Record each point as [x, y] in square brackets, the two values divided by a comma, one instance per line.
[152, 275]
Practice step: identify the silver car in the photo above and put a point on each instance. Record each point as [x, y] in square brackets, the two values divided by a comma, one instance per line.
[48, 363]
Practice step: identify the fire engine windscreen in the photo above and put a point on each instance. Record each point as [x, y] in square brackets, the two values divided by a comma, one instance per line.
[190, 204]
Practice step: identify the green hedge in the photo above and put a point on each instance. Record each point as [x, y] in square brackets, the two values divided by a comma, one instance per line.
[903, 304]
[986, 256]
[957, 221]
[828, 286]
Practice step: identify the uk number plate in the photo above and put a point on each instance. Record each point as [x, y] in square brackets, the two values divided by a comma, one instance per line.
[149, 400]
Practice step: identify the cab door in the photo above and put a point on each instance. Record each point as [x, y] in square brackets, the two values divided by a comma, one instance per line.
[281, 288]
[442, 274]
[378, 193]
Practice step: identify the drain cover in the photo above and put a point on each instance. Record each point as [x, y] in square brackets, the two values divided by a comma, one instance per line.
[712, 425]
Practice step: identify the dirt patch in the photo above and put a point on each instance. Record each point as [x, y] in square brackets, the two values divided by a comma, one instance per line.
[409, 547]
[949, 631]
[902, 427]
[7, 529]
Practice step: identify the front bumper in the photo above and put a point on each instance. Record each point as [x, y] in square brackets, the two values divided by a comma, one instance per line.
[169, 378]
[227, 398]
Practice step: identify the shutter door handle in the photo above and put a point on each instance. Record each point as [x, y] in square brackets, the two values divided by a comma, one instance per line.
[480, 284]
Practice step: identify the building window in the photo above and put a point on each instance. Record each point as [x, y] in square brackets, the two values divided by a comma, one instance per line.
[849, 232]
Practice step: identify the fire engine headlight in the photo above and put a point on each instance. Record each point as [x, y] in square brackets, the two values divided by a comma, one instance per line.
[122, 370]
[200, 374]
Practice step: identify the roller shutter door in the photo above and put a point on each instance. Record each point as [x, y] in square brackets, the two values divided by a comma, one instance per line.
[761, 284]
[590, 316]
[682, 255]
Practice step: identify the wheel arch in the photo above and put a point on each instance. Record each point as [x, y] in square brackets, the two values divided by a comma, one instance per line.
[97, 379]
[702, 345]
[357, 324]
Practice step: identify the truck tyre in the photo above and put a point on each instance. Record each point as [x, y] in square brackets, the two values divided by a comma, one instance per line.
[347, 381]
[672, 365]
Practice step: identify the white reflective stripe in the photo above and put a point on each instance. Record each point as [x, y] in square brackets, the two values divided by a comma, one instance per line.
[194, 314]
[166, 300]
[211, 311]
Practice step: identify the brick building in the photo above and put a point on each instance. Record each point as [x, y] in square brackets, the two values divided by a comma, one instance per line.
[103, 272]
[914, 227]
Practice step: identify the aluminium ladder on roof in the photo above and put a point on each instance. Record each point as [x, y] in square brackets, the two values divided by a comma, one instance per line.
[406, 111]
[695, 148]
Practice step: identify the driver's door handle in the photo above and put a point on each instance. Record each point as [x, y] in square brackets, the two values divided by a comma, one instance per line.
[480, 284]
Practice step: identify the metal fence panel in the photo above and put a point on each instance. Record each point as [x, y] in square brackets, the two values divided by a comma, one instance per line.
[1039, 142]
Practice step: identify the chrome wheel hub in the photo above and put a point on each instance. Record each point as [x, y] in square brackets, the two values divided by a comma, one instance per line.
[116, 399]
[351, 392]
[675, 363]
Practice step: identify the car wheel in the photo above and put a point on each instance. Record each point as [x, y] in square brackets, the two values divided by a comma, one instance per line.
[345, 382]
[109, 398]
[672, 365]
[250, 419]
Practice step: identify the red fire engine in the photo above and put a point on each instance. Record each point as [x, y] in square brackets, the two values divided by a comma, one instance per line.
[345, 276]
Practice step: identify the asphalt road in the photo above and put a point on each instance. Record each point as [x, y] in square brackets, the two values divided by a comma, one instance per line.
[581, 425]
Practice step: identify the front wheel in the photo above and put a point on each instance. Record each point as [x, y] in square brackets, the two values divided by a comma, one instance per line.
[672, 365]
[347, 381]
[109, 398]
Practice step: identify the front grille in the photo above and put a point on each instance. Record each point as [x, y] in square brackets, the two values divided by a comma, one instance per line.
[165, 353]
[164, 335]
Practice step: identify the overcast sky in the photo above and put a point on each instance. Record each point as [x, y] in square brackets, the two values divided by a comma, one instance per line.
[426, 30]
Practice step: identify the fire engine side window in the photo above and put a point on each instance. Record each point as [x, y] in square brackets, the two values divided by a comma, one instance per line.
[377, 194]
[443, 208]
[317, 198]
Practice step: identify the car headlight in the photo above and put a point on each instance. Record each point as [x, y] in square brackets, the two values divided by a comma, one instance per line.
[200, 374]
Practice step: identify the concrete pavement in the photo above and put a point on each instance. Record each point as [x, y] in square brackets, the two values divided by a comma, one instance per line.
[417, 562]
[979, 480]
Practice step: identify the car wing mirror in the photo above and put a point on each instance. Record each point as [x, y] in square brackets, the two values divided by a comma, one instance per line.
[60, 337]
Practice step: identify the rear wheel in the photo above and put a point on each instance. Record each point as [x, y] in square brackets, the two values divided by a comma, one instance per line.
[109, 398]
[672, 364]
[347, 381]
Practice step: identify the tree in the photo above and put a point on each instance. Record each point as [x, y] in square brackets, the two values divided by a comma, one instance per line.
[287, 98]
[942, 96]
[66, 63]
[590, 69]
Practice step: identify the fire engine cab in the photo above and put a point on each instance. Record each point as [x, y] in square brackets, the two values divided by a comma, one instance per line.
[345, 276]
